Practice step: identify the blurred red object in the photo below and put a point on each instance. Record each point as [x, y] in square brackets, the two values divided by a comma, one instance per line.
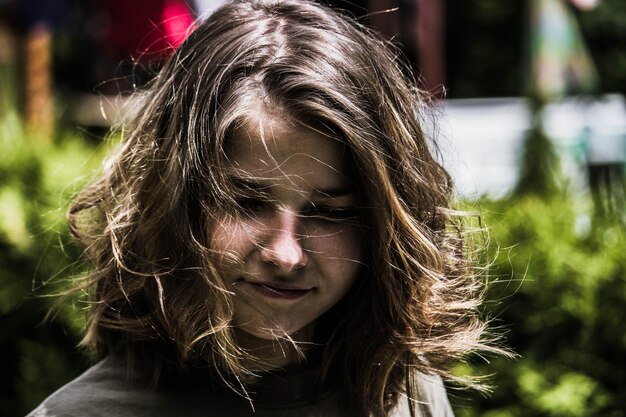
[146, 30]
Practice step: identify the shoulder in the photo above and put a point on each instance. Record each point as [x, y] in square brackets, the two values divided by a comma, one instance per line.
[103, 390]
[431, 399]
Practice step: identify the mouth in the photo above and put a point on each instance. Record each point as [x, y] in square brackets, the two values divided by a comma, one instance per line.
[286, 292]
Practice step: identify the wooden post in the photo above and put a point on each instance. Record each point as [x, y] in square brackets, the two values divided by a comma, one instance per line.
[38, 92]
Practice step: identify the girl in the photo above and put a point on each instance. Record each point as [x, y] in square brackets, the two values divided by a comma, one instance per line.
[274, 236]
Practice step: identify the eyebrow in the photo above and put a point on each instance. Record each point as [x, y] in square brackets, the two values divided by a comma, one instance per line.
[247, 183]
[331, 192]
[335, 192]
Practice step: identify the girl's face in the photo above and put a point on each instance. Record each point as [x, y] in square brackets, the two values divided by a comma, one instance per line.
[294, 249]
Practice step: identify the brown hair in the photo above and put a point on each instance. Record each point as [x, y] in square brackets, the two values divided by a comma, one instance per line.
[154, 288]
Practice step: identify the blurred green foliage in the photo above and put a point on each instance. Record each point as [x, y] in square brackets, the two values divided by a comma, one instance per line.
[559, 289]
[37, 179]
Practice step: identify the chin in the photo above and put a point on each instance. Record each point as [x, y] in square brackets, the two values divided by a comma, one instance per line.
[274, 331]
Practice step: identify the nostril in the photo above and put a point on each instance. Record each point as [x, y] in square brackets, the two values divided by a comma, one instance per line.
[285, 252]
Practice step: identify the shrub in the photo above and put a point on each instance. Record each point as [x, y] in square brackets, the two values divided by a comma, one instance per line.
[559, 288]
[37, 179]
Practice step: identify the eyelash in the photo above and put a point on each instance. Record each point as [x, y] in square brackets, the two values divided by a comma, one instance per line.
[331, 213]
[251, 205]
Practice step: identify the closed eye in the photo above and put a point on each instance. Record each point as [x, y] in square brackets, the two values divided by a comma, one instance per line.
[250, 205]
[253, 203]
[335, 214]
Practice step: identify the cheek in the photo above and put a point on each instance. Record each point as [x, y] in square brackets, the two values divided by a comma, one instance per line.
[339, 249]
[230, 240]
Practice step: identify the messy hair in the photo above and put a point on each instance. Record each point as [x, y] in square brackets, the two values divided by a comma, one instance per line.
[155, 289]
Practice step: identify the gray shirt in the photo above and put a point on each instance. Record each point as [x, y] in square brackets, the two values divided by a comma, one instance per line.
[106, 390]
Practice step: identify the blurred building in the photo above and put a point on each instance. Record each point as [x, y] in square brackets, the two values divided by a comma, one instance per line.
[481, 140]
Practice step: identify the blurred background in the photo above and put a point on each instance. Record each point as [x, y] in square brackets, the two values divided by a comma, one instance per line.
[531, 121]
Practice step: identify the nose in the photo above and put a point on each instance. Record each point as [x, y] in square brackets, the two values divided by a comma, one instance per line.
[283, 245]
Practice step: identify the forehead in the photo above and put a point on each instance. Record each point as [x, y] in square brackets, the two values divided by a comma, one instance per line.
[276, 148]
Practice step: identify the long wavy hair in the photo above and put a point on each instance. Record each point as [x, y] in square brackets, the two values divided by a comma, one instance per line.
[155, 289]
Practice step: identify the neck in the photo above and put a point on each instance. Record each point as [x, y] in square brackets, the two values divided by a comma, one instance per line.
[288, 353]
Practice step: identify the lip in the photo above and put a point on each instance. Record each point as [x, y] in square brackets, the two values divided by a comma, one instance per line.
[279, 291]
